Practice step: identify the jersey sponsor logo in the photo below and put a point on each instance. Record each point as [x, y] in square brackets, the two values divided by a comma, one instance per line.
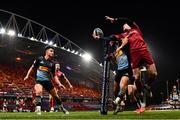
[119, 53]
[42, 62]
[126, 74]
[43, 68]
[122, 62]
[34, 61]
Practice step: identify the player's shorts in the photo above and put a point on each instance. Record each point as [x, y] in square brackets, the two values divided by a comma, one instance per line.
[47, 85]
[142, 57]
[125, 72]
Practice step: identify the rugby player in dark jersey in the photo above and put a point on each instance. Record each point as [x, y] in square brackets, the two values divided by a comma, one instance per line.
[45, 72]
[123, 72]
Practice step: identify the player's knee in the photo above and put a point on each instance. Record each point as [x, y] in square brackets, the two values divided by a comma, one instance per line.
[38, 100]
[134, 88]
[136, 74]
[153, 74]
[136, 77]
[115, 88]
[39, 93]
[130, 90]
[53, 93]
[58, 100]
[123, 86]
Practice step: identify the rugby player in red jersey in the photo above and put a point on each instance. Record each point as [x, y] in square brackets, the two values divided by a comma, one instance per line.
[58, 80]
[139, 53]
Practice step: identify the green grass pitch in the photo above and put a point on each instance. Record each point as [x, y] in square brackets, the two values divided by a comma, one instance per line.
[174, 114]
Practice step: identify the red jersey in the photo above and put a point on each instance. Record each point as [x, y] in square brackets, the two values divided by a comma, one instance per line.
[60, 74]
[138, 48]
[136, 41]
[21, 103]
[33, 95]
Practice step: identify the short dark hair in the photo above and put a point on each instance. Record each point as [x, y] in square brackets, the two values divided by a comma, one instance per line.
[48, 47]
[123, 20]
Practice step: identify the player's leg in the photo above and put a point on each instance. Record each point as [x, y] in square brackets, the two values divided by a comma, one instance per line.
[152, 73]
[53, 92]
[116, 88]
[131, 90]
[121, 94]
[51, 103]
[136, 58]
[151, 70]
[58, 100]
[138, 91]
[150, 65]
[123, 86]
[134, 98]
[55, 96]
[117, 83]
[139, 95]
[38, 91]
[138, 83]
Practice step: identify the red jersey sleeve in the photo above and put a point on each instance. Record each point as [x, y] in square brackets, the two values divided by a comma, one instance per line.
[59, 74]
[119, 36]
[137, 28]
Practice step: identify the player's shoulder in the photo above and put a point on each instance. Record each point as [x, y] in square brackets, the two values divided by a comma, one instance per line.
[39, 58]
[60, 73]
[134, 31]
[54, 62]
[120, 36]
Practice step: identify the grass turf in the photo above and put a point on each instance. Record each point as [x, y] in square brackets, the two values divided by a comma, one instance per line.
[92, 115]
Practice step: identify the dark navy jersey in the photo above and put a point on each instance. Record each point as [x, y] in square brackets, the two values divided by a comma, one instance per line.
[123, 57]
[44, 69]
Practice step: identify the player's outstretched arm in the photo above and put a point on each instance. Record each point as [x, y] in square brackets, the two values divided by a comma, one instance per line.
[110, 19]
[58, 82]
[67, 81]
[29, 72]
[124, 42]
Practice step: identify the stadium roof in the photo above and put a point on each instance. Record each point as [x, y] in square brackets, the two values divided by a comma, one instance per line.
[16, 25]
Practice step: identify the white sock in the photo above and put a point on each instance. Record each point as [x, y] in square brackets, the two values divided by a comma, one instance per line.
[38, 108]
[117, 100]
[52, 108]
